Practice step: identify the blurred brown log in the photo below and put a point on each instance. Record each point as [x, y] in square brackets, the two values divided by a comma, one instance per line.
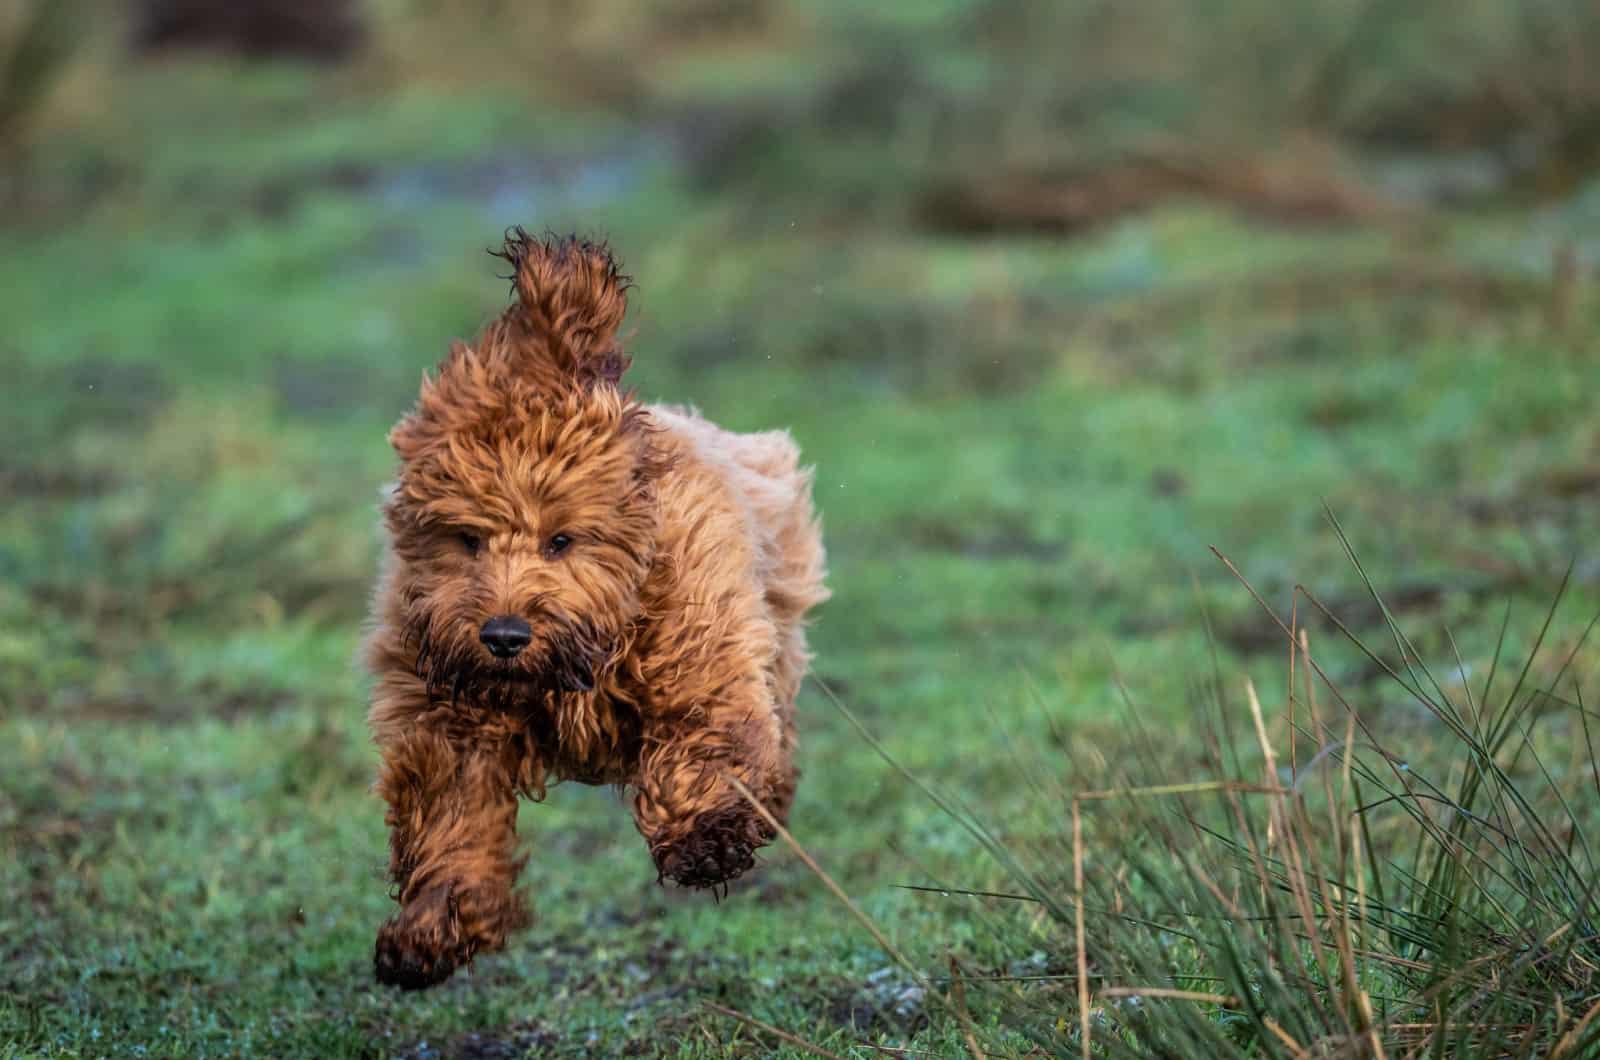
[326, 30]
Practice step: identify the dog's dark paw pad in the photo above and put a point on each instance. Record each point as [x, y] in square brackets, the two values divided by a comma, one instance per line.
[719, 847]
[398, 961]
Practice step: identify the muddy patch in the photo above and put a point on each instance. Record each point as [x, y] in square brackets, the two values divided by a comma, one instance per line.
[997, 539]
[148, 705]
[323, 389]
[86, 392]
[888, 1001]
[992, 343]
[534, 1039]
[521, 185]
[1553, 494]
[1360, 611]
[509, 1043]
[54, 483]
[511, 186]
[63, 816]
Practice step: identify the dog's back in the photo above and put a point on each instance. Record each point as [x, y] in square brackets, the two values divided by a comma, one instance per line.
[764, 475]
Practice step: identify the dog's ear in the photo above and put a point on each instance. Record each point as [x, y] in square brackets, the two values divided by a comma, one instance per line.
[571, 298]
[441, 399]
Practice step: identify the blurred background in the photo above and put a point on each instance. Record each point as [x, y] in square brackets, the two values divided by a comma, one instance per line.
[1055, 295]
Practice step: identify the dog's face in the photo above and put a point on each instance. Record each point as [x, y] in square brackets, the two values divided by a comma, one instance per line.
[523, 522]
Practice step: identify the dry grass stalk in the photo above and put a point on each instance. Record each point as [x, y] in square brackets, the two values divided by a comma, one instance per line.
[777, 1032]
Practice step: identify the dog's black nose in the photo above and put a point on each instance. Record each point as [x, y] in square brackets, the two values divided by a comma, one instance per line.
[505, 635]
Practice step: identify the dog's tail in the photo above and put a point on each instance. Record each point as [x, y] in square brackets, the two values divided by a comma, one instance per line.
[571, 298]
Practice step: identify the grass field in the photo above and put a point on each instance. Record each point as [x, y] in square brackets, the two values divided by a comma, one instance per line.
[225, 288]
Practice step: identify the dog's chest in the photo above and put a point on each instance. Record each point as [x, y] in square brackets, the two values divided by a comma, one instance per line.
[590, 737]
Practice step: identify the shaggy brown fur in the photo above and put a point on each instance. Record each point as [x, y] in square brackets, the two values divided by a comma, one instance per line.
[659, 570]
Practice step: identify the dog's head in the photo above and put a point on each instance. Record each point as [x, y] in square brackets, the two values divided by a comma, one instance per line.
[523, 521]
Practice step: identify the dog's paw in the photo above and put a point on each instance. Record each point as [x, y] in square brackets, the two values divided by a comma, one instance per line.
[411, 960]
[718, 847]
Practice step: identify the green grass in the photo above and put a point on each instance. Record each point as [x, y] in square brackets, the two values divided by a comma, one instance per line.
[1018, 495]
[1367, 888]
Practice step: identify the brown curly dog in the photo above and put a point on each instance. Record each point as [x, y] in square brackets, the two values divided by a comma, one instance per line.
[577, 586]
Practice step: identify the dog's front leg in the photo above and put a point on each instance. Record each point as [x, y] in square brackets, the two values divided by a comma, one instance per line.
[702, 832]
[452, 842]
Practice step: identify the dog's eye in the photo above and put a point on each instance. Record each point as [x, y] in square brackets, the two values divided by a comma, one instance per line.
[472, 543]
[557, 544]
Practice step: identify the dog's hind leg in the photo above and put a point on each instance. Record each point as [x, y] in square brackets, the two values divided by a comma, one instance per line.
[452, 820]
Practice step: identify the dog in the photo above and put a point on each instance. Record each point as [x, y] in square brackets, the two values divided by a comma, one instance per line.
[576, 586]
